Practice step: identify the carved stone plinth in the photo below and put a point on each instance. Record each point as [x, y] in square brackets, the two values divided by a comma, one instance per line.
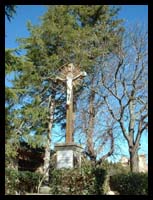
[68, 155]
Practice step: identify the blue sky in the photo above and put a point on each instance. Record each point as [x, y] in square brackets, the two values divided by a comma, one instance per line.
[17, 28]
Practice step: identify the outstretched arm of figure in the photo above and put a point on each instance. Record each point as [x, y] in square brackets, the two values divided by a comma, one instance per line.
[82, 74]
[60, 79]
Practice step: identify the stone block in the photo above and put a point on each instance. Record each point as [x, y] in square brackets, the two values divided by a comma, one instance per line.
[68, 155]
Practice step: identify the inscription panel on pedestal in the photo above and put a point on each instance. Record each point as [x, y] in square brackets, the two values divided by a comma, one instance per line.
[65, 159]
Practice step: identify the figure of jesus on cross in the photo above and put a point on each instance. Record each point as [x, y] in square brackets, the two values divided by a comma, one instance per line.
[71, 75]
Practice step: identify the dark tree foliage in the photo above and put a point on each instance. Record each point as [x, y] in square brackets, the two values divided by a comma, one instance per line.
[10, 10]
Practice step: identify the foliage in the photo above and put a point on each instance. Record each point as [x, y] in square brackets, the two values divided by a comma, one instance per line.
[130, 184]
[71, 38]
[10, 10]
[29, 180]
[83, 181]
[117, 168]
[20, 181]
[12, 62]
[11, 181]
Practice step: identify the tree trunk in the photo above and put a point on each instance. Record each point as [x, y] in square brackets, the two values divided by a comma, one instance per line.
[134, 161]
[48, 145]
[90, 147]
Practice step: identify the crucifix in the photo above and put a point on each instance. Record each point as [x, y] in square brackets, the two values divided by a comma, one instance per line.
[71, 76]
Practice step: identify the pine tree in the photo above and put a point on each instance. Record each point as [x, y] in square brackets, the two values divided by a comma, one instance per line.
[11, 99]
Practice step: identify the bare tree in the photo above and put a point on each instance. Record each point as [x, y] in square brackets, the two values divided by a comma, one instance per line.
[94, 126]
[116, 97]
[124, 81]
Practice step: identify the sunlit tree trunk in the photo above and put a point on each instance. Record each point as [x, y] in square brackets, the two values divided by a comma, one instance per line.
[48, 144]
[134, 162]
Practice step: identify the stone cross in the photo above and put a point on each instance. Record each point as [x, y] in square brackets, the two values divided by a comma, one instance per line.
[70, 75]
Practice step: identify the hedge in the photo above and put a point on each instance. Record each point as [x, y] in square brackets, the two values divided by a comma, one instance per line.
[83, 181]
[130, 184]
[20, 181]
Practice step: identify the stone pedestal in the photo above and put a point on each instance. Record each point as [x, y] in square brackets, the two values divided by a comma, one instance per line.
[68, 155]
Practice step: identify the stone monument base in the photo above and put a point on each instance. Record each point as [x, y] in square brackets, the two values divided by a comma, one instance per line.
[68, 155]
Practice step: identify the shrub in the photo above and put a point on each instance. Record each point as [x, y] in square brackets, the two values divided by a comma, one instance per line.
[77, 181]
[11, 181]
[20, 181]
[115, 168]
[100, 178]
[130, 184]
[28, 181]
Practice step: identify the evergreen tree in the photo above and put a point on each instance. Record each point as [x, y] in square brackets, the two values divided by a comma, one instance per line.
[11, 100]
